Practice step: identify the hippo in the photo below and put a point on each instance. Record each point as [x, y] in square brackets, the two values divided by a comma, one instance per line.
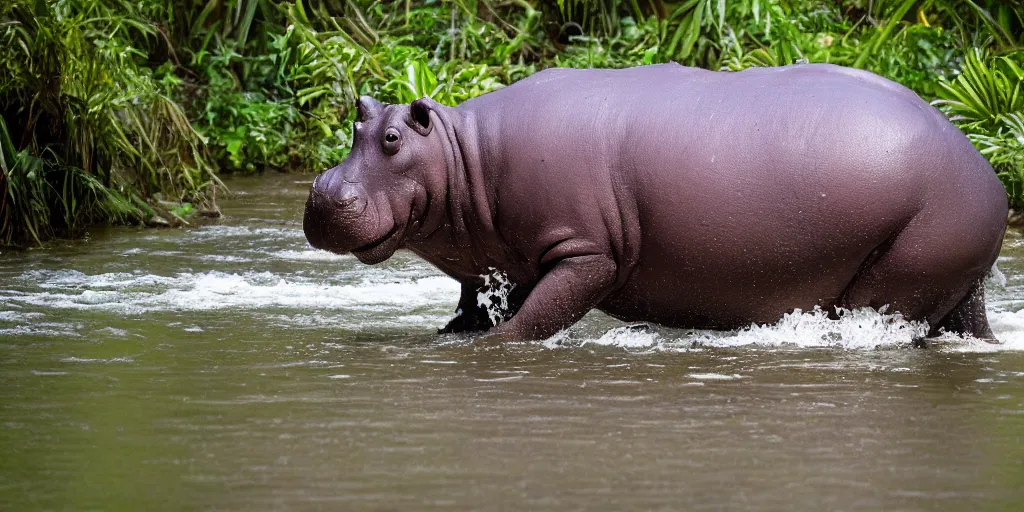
[678, 196]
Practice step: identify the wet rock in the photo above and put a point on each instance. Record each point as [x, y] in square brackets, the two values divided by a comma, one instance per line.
[157, 221]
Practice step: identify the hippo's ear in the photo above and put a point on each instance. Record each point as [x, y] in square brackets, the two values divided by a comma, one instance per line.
[367, 108]
[419, 115]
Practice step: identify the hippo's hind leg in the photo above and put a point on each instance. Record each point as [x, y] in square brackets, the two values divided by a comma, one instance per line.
[968, 316]
[469, 316]
[933, 271]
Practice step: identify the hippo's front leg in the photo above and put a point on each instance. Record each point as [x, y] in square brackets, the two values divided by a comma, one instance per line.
[469, 315]
[574, 285]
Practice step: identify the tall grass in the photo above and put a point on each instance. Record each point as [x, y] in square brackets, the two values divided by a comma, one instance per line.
[87, 134]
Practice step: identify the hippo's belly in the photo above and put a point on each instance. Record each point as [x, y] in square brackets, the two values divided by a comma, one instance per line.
[754, 240]
[731, 292]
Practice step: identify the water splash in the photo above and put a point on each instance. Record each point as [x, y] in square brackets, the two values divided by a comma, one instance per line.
[1008, 327]
[414, 297]
[493, 295]
[995, 279]
[861, 329]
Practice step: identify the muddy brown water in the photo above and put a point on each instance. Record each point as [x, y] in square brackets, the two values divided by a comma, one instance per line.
[231, 367]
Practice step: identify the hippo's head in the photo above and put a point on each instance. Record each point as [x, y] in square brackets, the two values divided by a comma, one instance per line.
[379, 195]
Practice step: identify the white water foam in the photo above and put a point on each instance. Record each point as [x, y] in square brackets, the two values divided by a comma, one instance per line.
[73, 279]
[94, 360]
[225, 258]
[375, 321]
[18, 316]
[626, 337]
[860, 329]
[857, 329]
[218, 232]
[134, 293]
[311, 255]
[714, 376]
[49, 329]
[1007, 326]
[413, 296]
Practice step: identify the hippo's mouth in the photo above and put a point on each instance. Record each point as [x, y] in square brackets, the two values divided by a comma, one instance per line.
[382, 249]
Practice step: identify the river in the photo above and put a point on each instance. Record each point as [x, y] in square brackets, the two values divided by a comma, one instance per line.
[229, 366]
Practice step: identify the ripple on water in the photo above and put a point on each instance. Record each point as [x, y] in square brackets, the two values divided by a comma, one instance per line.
[311, 255]
[47, 329]
[370, 319]
[412, 295]
[218, 231]
[135, 293]
[19, 316]
[714, 376]
[112, 360]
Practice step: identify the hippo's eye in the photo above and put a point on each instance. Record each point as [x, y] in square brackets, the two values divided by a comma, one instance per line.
[392, 141]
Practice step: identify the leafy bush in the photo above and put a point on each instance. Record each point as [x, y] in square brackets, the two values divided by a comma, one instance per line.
[109, 104]
[87, 136]
[986, 100]
[247, 129]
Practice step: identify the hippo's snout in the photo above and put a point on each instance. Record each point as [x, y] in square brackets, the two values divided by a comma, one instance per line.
[338, 220]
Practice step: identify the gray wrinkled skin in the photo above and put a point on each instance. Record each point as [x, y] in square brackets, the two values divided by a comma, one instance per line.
[676, 195]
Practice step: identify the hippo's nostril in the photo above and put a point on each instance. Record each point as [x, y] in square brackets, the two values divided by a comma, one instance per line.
[346, 180]
[345, 202]
[351, 207]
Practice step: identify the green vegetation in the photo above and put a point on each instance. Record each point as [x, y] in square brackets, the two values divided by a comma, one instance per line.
[88, 134]
[987, 101]
[116, 110]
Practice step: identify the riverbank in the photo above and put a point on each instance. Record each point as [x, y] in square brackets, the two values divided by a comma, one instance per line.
[127, 112]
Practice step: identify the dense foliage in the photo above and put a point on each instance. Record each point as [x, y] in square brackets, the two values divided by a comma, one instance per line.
[114, 109]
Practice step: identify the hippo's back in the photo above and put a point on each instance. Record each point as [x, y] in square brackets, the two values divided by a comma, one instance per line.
[749, 123]
[788, 135]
